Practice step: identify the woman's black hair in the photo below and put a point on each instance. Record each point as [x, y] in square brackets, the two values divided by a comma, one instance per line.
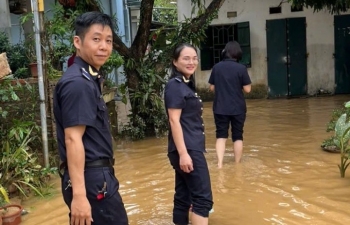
[232, 51]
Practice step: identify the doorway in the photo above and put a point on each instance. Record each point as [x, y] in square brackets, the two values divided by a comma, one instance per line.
[286, 57]
[342, 54]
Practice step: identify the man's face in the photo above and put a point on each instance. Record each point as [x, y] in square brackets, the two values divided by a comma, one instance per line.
[96, 46]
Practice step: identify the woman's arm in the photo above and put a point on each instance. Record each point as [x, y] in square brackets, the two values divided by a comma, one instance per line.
[185, 160]
[212, 87]
[247, 88]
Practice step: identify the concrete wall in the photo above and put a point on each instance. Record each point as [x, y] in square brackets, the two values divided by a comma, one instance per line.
[320, 39]
[5, 22]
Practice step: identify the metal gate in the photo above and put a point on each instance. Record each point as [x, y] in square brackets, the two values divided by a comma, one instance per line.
[342, 53]
[286, 57]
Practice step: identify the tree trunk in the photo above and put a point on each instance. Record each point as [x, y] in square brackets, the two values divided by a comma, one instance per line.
[133, 77]
[139, 45]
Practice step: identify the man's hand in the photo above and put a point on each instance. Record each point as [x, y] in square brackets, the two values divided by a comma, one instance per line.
[80, 211]
[186, 163]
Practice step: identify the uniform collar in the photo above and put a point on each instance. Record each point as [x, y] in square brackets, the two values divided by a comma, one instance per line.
[189, 82]
[92, 71]
[228, 59]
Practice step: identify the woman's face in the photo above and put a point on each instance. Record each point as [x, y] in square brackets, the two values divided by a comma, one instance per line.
[187, 62]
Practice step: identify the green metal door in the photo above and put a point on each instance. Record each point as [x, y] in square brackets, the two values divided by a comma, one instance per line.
[296, 48]
[342, 53]
[276, 37]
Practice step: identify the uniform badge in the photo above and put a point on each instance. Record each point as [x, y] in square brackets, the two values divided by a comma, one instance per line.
[85, 74]
[178, 79]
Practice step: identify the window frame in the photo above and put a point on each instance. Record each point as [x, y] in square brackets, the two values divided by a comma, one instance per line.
[210, 49]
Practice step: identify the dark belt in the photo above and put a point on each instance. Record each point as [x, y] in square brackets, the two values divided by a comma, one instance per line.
[90, 164]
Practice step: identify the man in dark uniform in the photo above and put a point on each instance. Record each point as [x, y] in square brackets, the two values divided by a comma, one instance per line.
[89, 186]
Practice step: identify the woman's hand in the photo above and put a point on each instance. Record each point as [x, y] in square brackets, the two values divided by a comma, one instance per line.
[186, 164]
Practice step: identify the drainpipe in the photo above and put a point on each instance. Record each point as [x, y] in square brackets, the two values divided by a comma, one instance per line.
[38, 7]
[129, 22]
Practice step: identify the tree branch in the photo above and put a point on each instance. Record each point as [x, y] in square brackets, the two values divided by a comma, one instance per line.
[200, 20]
[282, 1]
[333, 6]
[120, 47]
[139, 45]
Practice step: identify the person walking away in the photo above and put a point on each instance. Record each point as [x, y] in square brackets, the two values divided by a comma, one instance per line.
[89, 186]
[228, 80]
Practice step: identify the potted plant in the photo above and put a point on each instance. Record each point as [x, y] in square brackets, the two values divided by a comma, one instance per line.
[12, 175]
[10, 214]
[31, 55]
[4, 198]
[17, 8]
[67, 3]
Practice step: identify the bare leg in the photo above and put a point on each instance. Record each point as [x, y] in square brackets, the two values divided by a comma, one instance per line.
[220, 150]
[238, 150]
[199, 220]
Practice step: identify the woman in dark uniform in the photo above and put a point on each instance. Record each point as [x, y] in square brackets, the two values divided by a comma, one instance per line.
[229, 79]
[186, 140]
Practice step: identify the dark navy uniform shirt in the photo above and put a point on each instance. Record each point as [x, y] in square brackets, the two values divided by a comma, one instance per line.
[179, 95]
[229, 77]
[78, 101]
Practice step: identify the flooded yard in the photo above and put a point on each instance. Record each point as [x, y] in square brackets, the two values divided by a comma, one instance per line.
[285, 178]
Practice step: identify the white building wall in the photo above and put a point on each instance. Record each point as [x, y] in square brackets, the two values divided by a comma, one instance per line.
[319, 38]
[5, 23]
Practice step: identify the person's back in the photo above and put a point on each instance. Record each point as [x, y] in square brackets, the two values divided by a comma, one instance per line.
[228, 80]
[230, 77]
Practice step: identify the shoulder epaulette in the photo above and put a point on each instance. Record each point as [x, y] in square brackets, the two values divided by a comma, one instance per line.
[178, 79]
[85, 74]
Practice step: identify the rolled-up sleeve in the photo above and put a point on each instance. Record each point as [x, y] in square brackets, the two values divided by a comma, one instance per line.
[78, 104]
[212, 77]
[173, 96]
[245, 78]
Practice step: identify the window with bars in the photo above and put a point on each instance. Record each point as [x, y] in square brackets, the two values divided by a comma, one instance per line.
[218, 36]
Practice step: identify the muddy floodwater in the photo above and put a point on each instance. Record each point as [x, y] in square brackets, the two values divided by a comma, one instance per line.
[285, 177]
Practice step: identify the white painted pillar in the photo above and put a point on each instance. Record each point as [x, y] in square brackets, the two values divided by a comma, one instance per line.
[5, 19]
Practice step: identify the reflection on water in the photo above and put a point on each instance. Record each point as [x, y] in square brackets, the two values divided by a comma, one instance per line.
[284, 178]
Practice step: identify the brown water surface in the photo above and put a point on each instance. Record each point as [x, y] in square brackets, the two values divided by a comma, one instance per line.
[285, 178]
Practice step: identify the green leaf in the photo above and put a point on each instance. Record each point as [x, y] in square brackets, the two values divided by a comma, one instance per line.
[347, 105]
[4, 114]
[4, 194]
[342, 134]
[124, 99]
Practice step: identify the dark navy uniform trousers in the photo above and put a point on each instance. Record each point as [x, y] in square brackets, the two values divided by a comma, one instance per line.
[108, 210]
[191, 188]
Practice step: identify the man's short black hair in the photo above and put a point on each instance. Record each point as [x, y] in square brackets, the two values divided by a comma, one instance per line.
[86, 20]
